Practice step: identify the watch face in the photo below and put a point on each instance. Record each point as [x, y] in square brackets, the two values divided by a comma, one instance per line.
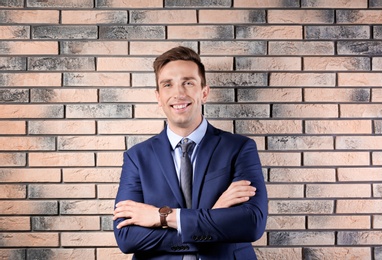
[165, 210]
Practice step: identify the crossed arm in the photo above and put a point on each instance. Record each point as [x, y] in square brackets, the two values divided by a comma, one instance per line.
[145, 215]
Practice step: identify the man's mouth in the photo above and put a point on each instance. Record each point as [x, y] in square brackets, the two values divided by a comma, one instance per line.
[180, 106]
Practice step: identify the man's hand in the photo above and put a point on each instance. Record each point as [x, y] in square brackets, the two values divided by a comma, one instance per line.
[136, 213]
[238, 192]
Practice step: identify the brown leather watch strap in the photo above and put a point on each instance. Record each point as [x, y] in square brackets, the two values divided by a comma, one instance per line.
[163, 213]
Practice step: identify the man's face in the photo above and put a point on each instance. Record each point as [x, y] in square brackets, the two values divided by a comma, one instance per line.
[180, 94]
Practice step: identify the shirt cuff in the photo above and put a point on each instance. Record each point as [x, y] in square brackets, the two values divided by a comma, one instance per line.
[178, 221]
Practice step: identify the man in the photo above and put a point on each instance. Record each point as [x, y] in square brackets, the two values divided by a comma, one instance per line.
[228, 205]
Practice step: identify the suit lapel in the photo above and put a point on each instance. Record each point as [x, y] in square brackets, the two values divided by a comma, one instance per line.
[206, 149]
[162, 150]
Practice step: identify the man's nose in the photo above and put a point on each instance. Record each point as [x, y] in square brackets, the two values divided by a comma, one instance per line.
[180, 90]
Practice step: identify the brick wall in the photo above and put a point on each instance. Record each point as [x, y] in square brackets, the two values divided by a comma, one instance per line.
[301, 77]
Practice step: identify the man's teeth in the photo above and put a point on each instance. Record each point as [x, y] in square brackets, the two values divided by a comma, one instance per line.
[180, 106]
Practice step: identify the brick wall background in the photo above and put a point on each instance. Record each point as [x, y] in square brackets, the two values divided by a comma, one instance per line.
[301, 77]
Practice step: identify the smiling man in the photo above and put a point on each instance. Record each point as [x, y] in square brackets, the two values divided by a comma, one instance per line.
[193, 191]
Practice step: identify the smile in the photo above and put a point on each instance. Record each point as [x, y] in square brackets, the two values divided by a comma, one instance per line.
[180, 106]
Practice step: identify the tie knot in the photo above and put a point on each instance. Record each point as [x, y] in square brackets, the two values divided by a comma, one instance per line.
[186, 145]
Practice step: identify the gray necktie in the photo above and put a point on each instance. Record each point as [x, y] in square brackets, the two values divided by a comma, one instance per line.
[186, 170]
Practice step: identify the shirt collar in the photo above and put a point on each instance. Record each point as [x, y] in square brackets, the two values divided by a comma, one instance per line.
[196, 136]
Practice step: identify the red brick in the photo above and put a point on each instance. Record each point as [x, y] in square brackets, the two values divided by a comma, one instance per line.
[376, 95]
[359, 142]
[377, 158]
[268, 126]
[302, 175]
[91, 175]
[233, 48]
[231, 16]
[96, 79]
[302, 238]
[53, 191]
[61, 159]
[31, 79]
[360, 110]
[94, 48]
[119, 110]
[338, 126]
[88, 239]
[55, 223]
[131, 95]
[302, 79]
[301, 48]
[124, 64]
[218, 63]
[12, 127]
[31, 111]
[269, 32]
[285, 191]
[14, 223]
[110, 159]
[13, 63]
[300, 143]
[130, 126]
[377, 190]
[377, 63]
[93, 17]
[292, 207]
[15, 191]
[28, 207]
[265, 4]
[148, 111]
[29, 16]
[14, 3]
[107, 191]
[335, 4]
[359, 237]
[359, 206]
[337, 63]
[268, 63]
[359, 174]
[12, 159]
[305, 111]
[162, 17]
[48, 127]
[226, 125]
[29, 175]
[338, 190]
[269, 159]
[112, 254]
[29, 48]
[200, 32]
[79, 143]
[336, 95]
[143, 79]
[130, 3]
[27, 143]
[59, 253]
[265, 253]
[285, 222]
[336, 252]
[61, 4]
[156, 48]
[300, 16]
[359, 79]
[29, 239]
[14, 32]
[377, 221]
[336, 158]
[86, 207]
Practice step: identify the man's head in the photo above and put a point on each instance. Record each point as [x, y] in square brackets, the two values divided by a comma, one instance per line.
[179, 53]
[181, 89]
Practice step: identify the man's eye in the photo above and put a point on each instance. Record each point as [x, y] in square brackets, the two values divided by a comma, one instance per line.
[166, 85]
[189, 83]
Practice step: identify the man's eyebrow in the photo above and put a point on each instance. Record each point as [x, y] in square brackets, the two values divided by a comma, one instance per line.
[165, 81]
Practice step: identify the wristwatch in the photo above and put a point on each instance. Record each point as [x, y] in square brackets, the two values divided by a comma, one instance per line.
[163, 213]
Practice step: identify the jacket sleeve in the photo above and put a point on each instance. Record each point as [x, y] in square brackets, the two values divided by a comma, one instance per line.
[240, 223]
[132, 239]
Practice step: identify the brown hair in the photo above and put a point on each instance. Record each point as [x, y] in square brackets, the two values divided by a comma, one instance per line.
[179, 53]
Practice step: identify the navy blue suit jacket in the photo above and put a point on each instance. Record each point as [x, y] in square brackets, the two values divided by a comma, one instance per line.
[149, 176]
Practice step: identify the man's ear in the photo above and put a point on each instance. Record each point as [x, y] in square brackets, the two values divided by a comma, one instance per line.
[157, 97]
[205, 93]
